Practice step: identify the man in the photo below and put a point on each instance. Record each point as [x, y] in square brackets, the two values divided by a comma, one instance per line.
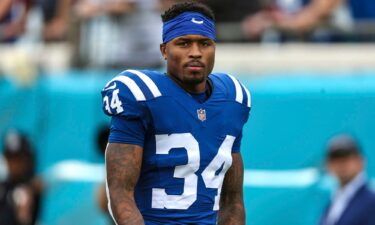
[354, 202]
[173, 154]
[19, 199]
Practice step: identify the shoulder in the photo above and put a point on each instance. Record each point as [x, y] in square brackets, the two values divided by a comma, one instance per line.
[141, 84]
[233, 89]
[369, 192]
[364, 196]
[131, 88]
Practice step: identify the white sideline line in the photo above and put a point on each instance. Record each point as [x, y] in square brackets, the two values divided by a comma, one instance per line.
[89, 172]
[281, 178]
[73, 170]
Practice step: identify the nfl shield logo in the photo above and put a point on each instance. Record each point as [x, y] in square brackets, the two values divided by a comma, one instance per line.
[201, 114]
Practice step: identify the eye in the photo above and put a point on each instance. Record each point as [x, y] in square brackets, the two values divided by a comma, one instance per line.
[206, 43]
[182, 43]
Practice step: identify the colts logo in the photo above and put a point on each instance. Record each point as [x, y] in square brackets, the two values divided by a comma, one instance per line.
[201, 114]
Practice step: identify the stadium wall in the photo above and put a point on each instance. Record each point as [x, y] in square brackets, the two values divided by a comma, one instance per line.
[295, 110]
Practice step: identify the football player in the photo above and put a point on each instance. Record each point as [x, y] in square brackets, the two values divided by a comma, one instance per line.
[173, 155]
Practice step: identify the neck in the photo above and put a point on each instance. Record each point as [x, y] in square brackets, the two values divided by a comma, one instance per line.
[359, 177]
[192, 88]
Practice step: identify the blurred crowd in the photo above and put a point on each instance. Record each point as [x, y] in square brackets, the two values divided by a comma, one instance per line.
[122, 34]
[126, 33]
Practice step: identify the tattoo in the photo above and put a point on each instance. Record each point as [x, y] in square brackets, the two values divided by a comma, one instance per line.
[232, 210]
[123, 165]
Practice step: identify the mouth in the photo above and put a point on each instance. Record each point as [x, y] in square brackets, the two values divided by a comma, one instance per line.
[194, 65]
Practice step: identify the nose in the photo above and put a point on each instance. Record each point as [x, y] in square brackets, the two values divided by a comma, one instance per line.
[195, 51]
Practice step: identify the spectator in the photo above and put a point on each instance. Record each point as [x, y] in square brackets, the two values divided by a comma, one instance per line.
[13, 14]
[353, 203]
[56, 17]
[19, 198]
[298, 18]
[120, 33]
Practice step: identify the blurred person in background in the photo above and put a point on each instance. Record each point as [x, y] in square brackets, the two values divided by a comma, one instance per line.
[19, 194]
[353, 202]
[56, 19]
[118, 33]
[297, 20]
[13, 15]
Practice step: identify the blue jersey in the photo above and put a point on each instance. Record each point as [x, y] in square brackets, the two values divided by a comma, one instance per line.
[187, 145]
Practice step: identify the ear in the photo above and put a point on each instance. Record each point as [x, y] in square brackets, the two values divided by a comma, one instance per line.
[163, 50]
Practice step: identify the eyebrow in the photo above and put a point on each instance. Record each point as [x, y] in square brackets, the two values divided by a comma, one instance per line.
[192, 39]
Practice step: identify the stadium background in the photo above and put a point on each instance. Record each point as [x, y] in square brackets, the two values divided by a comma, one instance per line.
[302, 94]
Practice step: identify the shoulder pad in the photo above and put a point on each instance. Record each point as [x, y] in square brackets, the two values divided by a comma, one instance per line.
[235, 89]
[126, 90]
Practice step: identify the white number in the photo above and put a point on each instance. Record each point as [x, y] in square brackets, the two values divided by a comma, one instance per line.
[106, 104]
[164, 143]
[115, 102]
[223, 159]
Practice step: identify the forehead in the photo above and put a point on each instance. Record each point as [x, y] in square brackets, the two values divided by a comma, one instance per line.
[192, 37]
[344, 159]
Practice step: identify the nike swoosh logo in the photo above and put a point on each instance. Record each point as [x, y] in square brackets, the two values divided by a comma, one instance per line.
[110, 87]
[196, 21]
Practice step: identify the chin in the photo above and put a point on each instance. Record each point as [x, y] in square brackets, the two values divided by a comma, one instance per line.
[195, 80]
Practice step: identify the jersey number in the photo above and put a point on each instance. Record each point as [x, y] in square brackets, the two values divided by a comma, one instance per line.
[212, 179]
[115, 103]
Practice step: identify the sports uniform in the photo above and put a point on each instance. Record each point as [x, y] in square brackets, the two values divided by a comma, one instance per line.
[187, 142]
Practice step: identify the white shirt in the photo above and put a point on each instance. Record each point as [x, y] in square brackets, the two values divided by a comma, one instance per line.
[342, 198]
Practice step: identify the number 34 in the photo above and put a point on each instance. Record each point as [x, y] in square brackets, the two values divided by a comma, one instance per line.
[223, 158]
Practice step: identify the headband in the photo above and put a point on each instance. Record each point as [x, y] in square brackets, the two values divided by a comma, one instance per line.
[188, 23]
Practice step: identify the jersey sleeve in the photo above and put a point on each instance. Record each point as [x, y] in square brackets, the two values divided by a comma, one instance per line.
[122, 97]
[123, 100]
[243, 118]
[127, 131]
[240, 95]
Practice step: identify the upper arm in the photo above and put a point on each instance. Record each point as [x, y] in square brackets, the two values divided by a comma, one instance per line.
[123, 165]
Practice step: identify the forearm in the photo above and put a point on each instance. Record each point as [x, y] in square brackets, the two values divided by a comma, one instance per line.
[232, 211]
[123, 164]
[124, 210]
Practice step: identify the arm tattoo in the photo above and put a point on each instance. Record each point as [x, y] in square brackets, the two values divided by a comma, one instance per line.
[232, 210]
[123, 165]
